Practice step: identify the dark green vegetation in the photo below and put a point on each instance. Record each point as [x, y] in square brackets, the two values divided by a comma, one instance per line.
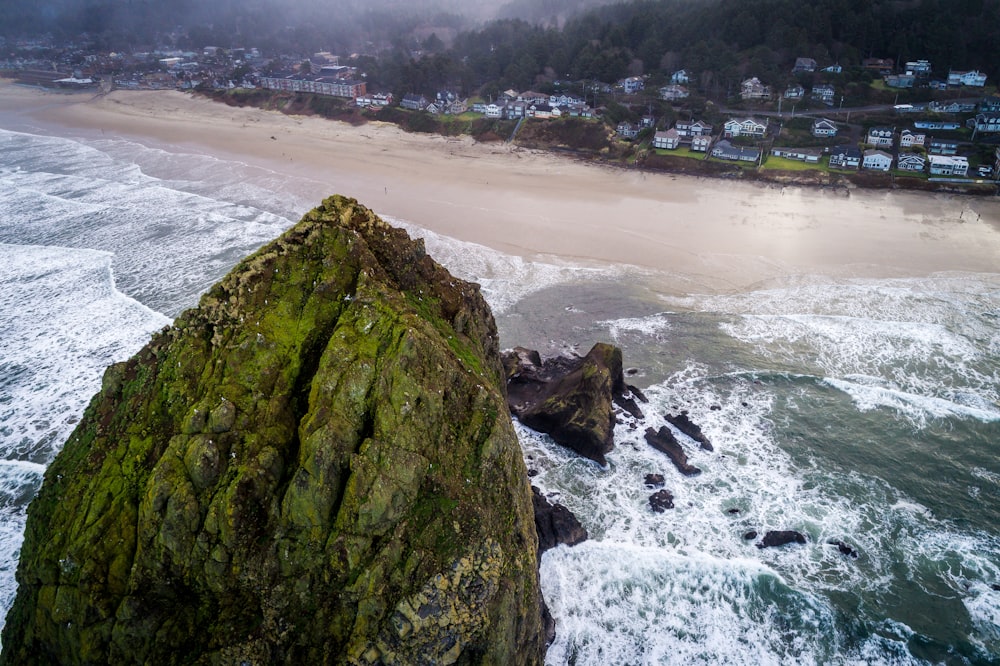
[315, 465]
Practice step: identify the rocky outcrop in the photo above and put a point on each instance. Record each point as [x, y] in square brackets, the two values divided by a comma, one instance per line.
[570, 399]
[315, 465]
[775, 538]
[554, 523]
[661, 500]
[691, 429]
[663, 440]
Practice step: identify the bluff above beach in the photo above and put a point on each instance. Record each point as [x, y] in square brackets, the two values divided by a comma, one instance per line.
[315, 465]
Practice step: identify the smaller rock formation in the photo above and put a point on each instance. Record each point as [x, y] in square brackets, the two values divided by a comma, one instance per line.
[661, 500]
[555, 523]
[664, 440]
[570, 399]
[689, 428]
[844, 548]
[775, 538]
[750, 536]
[654, 481]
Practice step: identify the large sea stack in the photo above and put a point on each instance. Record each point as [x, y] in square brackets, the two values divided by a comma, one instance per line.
[314, 466]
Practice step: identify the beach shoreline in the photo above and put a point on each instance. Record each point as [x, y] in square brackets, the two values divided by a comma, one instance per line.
[709, 234]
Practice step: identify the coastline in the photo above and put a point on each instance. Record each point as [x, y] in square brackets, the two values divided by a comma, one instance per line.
[708, 234]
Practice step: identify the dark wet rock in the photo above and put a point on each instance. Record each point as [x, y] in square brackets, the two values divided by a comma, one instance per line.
[715, 408]
[628, 404]
[532, 472]
[750, 536]
[315, 465]
[996, 587]
[661, 500]
[733, 512]
[569, 398]
[844, 548]
[554, 523]
[631, 372]
[639, 395]
[776, 538]
[664, 440]
[654, 480]
[689, 428]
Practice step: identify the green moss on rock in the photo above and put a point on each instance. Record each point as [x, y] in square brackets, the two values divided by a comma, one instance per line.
[315, 465]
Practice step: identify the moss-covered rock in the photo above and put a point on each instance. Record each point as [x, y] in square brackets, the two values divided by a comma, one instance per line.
[315, 465]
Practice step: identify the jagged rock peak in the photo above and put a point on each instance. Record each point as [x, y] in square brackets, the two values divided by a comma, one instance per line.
[315, 465]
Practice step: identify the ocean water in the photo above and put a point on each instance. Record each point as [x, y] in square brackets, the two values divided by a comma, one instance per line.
[864, 411]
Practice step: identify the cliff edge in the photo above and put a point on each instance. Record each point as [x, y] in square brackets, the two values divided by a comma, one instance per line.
[315, 465]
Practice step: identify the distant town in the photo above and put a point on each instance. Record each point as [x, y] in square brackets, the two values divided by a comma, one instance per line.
[917, 125]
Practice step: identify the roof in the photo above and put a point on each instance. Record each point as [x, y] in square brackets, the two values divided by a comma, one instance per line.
[847, 150]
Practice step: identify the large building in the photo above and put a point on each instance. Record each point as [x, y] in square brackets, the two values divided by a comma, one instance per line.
[319, 85]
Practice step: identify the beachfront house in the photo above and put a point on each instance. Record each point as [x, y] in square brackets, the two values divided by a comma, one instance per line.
[701, 143]
[543, 111]
[744, 127]
[627, 130]
[667, 140]
[414, 102]
[807, 155]
[693, 128]
[881, 136]
[847, 156]
[973, 78]
[942, 147]
[752, 88]
[727, 151]
[911, 162]
[824, 127]
[876, 160]
[949, 165]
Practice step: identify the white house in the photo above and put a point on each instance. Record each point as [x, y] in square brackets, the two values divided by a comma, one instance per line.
[908, 138]
[668, 140]
[494, 111]
[753, 89]
[701, 143]
[877, 160]
[911, 162]
[881, 136]
[985, 122]
[824, 127]
[973, 78]
[949, 165]
[632, 84]
[673, 92]
[680, 76]
[693, 128]
[627, 130]
[745, 127]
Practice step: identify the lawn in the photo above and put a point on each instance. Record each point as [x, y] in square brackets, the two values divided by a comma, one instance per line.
[683, 151]
[785, 164]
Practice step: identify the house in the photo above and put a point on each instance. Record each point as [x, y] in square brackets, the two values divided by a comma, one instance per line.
[627, 130]
[973, 78]
[693, 128]
[673, 92]
[804, 65]
[744, 127]
[900, 80]
[509, 95]
[951, 107]
[580, 110]
[753, 89]
[942, 147]
[632, 84]
[881, 136]
[881, 65]
[494, 110]
[807, 155]
[919, 67]
[911, 162]
[377, 101]
[479, 107]
[824, 127]
[936, 125]
[531, 97]
[937, 84]
[515, 109]
[876, 160]
[823, 93]
[990, 104]
[985, 122]
[794, 91]
[680, 76]
[727, 151]
[564, 100]
[949, 165]
[668, 140]
[414, 102]
[701, 143]
[834, 69]
[845, 157]
[543, 111]
[647, 121]
[909, 138]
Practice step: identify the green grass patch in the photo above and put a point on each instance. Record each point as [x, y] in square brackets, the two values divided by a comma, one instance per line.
[681, 151]
[785, 164]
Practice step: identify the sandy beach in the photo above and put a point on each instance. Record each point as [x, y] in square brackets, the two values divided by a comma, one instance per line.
[711, 234]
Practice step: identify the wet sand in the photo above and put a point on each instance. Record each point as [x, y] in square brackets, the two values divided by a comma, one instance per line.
[709, 234]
